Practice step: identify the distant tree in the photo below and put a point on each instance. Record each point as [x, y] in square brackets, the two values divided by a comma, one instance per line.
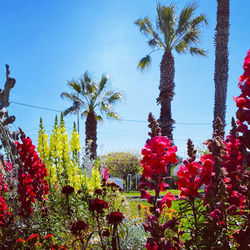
[92, 100]
[221, 60]
[120, 164]
[170, 33]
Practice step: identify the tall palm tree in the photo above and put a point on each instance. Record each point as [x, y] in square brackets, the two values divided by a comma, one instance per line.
[170, 33]
[92, 100]
[221, 60]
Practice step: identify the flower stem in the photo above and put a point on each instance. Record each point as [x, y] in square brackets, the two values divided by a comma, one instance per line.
[99, 232]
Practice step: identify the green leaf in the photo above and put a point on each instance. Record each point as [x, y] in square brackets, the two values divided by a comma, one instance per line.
[166, 22]
[113, 115]
[144, 62]
[185, 18]
[181, 47]
[197, 51]
[115, 97]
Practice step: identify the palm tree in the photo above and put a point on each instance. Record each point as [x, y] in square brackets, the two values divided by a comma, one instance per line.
[93, 100]
[170, 33]
[221, 60]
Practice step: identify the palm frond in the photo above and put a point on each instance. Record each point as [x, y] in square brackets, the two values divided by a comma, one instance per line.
[67, 95]
[84, 113]
[144, 62]
[185, 18]
[91, 88]
[166, 22]
[113, 115]
[105, 107]
[103, 82]
[115, 97]
[145, 26]
[70, 110]
[86, 77]
[155, 43]
[192, 36]
[75, 86]
[200, 19]
[148, 30]
[98, 118]
[197, 51]
[181, 47]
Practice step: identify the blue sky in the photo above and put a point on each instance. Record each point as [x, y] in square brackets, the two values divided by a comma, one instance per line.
[46, 43]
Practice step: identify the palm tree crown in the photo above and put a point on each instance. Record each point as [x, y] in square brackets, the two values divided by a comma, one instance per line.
[92, 100]
[170, 33]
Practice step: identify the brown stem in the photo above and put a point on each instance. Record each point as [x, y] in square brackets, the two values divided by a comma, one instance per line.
[99, 232]
[195, 221]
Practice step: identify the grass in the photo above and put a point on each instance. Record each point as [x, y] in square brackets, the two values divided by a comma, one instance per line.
[151, 192]
[137, 193]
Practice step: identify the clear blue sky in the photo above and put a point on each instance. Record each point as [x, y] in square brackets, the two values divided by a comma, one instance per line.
[49, 42]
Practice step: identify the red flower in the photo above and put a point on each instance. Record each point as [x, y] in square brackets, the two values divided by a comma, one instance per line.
[78, 226]
[31, 176]
[151, 244]
[115, 218]
[167, 199]
[20, 240]
[246, 67]
[98, 205]
[33, 236]
[106, 232]
[216, 214]
[67, 190]
[146, 195]
[48, 236]
[157, 153]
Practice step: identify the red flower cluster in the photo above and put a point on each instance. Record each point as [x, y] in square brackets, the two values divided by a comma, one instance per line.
[31, 176]
[243, 101]
[67, 190]
[34, 237]
[77, 227]
[193, 174]
[157, 153]
[233, 163]
[98, 205]
[115, 218]
[4, 213]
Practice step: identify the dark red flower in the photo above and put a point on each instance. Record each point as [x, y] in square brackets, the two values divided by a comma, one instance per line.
[216, 214]
[98, 205]
[151, 244]
[115, 218]
[67, 190]
[98, 191]
[77, 227]
[106, 232]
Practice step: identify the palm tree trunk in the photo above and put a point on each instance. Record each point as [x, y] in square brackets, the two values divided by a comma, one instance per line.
[221, 60]
[166, 94]
[91, 131]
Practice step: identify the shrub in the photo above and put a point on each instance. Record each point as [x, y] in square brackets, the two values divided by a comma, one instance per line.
[120, 164]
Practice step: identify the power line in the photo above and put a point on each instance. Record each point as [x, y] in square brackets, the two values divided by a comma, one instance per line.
[123, 120]
[37, 107]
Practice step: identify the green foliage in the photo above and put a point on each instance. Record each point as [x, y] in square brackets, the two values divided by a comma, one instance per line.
[120, 164]
[172, 32]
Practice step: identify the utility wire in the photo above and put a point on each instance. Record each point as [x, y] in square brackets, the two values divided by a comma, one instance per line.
[123, 120]
[38, 107]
